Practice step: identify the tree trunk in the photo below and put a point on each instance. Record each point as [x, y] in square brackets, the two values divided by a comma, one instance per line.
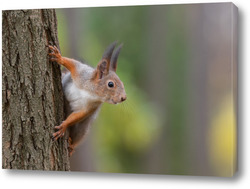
[32, 98]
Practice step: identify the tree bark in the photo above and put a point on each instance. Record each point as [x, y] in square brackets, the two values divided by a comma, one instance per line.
[32, 98]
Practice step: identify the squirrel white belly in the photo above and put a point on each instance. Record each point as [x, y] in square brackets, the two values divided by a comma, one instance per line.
[85, 89]
[77, 98]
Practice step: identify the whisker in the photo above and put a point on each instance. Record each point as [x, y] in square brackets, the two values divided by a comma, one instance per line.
[128, 112]
[120, 112]
[130, 107]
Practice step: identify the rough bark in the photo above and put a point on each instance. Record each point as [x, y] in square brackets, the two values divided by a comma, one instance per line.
[32, 98]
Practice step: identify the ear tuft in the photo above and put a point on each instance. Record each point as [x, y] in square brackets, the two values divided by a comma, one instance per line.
[114, 58]
[109, 50]
[108, 53]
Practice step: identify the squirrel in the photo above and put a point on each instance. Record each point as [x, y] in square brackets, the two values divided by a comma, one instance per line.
[85, 89]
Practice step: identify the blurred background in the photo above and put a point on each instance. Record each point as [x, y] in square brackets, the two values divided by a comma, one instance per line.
[176, 65]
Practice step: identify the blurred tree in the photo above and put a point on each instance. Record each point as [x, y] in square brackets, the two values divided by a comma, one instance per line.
[198, 114]
[176, 108]
[155, 69]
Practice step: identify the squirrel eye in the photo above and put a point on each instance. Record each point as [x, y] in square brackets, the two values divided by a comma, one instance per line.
[111, 84]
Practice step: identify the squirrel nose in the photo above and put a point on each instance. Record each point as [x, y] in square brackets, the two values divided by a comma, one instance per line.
[123, 98]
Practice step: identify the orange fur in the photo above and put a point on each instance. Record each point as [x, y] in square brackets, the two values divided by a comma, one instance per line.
[69, 64]
[66, 62]
[72, 119]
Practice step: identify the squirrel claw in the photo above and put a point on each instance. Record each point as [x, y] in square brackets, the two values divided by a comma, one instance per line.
[60, 133]
[55, 55]
[54, 48]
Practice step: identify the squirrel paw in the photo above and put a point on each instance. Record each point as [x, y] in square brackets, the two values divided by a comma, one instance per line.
[55, 55]
[60, 133]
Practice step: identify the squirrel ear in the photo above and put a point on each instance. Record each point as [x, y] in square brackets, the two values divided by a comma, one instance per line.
[103, 66]
[101, 69]
[115, 57]
[108, 53]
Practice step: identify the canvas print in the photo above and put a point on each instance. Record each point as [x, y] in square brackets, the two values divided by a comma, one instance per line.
[128, 89]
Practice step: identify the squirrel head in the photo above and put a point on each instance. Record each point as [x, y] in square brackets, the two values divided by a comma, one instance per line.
[107, 84]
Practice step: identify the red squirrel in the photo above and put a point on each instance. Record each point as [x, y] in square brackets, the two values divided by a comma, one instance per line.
[85, 89]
